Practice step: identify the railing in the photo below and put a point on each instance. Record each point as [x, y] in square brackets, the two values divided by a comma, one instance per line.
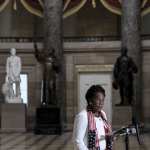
[69, 39]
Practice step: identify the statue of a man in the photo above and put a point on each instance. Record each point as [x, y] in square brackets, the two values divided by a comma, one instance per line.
[51, 68]
[123, 76]
[13, 69]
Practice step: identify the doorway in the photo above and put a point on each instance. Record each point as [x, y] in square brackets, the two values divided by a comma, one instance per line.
[85, 80]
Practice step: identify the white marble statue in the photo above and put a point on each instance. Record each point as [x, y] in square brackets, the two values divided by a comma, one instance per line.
[11, 87]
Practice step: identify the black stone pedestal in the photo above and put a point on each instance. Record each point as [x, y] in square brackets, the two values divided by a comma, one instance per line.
[47, 120]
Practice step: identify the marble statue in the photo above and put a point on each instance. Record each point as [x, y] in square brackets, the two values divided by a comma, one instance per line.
[11, 87]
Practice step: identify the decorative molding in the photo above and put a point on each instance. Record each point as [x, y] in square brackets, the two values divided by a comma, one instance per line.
[41, 3]
[3, 6]
[31, 9]
[100, 70]
[71, 7]
[66, 4]
[93, 68]
[72, 47]
[111, 8]
[74, 9]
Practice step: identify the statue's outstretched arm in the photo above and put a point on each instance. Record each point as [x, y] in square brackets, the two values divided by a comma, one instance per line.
[38, 54]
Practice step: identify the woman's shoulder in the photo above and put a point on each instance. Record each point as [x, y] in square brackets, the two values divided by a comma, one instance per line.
[82, 116]
[82, 113]
[104, 114]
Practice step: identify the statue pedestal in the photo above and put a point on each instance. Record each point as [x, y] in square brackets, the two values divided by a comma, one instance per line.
[47, 120]
[122, 116]
[13, 117]
[15, 100]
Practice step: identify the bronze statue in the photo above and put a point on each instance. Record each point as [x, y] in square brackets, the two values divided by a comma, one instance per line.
[123, 76]
[50, 71]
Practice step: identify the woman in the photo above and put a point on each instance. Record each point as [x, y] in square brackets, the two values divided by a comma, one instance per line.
[91, 129]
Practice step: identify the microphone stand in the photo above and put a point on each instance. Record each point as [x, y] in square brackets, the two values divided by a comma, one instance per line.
[132, 129]
[127, 140]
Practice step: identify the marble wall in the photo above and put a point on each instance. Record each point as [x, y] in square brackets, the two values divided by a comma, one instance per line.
[87, 22]
[76, 54]
[102, 53]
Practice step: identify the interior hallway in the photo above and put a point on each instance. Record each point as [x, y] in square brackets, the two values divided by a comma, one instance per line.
[30, 141]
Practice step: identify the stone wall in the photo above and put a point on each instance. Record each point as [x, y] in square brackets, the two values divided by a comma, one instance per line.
[76, 54]
[102, 53]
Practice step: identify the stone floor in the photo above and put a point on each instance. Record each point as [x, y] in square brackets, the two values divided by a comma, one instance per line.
[29, 141]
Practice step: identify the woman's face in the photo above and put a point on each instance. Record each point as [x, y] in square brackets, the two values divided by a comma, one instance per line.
[98, 102]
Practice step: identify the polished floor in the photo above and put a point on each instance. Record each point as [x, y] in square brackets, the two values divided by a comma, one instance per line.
[29, 141]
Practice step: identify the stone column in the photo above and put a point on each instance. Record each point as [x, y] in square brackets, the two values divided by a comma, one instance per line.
[53, 41]
[131, 19]
[53, 25]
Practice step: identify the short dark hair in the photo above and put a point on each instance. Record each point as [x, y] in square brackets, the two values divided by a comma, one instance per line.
[92, 91]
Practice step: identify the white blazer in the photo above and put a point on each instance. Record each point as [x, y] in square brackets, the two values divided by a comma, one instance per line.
[80, 131]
